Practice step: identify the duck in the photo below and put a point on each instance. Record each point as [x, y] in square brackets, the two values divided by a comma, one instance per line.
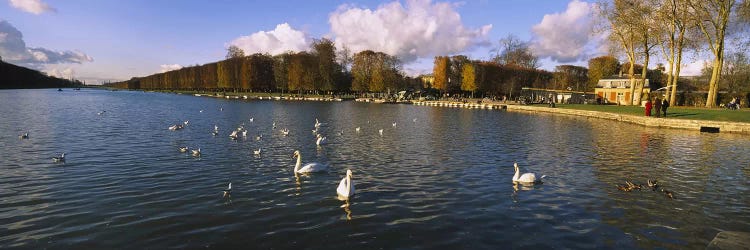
[228, 191]
[215, 133]
[186, 122]
[252, 119]
[256, 152]
[357, 129]
[394, 124]
[274, 125]
[285, 131]
[321, 140]
[346, 186]
[623, 188]
[667, 193]
[244, 133]
[60, 158]
[380, 131]
[234, 135]
[196, 152]
[216, 128]
[526, 178]
[183, 149]
[24, 136]
[308, 168]
[259, 137]
[101, 112]
[414, 120]
[653, 184]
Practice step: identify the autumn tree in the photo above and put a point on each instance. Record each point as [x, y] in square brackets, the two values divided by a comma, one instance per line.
[440, 72]
[362, 70]
[325, 51]
[601, 68]
[571, 76]
[469, 77]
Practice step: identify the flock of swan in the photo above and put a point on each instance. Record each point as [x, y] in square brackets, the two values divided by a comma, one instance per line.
[344, 190]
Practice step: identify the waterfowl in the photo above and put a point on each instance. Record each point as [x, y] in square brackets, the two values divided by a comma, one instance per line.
[201, 111]
[196, 152]
[357, 129]
[216, 128]
[215, 133]
[259, 137]
[526, 178]
[652, 184]
[183, 149]
[317, 123]
[394, 124]
[251, 119]
[668, 193]
[274, 125]
[380, 131]
[24, 136]
[321, 140]
[60, 158]
[285, 132]
[101, 112]
[256, 152]
[414, 120]
[228, 191]
[175, 127]
[346, 186]
[623, 188]
[308, 168]
[186, 122]
[234, 135]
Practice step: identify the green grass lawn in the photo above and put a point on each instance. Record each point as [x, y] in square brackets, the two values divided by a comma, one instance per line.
[691, 113]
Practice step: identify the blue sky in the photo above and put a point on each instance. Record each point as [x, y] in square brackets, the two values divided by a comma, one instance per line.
[115, 40]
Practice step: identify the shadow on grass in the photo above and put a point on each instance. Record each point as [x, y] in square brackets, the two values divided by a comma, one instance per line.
[681, 114]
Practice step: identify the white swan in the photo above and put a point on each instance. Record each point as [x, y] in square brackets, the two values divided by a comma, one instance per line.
[346, 186]
[317, 123]
[380, 131]
[526, 178]
[357, 129]
[308, 168]
[251, 119]
[321, 140]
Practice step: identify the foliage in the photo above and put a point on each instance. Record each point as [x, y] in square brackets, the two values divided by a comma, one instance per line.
[17, 77]
[601, 68]
[440, 72]
[512, 51]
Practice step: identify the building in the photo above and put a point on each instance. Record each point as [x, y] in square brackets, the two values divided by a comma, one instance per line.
[616, 89]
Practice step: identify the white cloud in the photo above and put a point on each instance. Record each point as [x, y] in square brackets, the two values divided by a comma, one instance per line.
[169, 67]
[13, 49]
[693, 68]
[65, 73]
[421, 29]
[282, 39]
[32, 6]
[567, 36]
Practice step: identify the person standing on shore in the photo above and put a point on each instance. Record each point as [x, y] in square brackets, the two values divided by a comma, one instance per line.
[664, 106]
[657, 106]
[648, 107]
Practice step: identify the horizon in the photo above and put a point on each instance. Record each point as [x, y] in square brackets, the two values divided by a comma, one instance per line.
[114, 41]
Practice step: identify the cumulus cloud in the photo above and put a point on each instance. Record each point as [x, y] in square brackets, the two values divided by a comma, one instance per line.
[693, 68]
[282, 39]
[65, 73]
[567, 36]
[32, 6]
[169, 67]
[13, 49]
[421, 29]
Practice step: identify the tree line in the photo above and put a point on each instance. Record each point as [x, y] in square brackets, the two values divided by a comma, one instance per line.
[17, 77]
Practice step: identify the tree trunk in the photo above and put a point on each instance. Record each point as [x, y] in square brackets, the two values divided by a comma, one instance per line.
[675, 79]
[631, 72]
[644, 71]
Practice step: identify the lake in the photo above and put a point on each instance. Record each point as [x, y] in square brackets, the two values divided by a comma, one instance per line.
[440, 178]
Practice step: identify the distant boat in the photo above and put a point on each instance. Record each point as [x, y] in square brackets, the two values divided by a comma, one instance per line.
[77, 88]
[59, 89]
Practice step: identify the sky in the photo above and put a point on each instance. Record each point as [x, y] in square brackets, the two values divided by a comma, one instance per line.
[107, 40]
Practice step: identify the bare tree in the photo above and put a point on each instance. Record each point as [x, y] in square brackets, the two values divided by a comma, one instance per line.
[512, 51]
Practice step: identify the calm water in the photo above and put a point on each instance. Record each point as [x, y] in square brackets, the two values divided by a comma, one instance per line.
[443, 181]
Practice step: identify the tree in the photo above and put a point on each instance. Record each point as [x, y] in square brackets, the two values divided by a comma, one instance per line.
[440, 72]
[469, 76]
[362, 70]
[601, 68]
[512, 51]
[234, 52]
[326, 53]
[571, 76]
[455, 73]
[713, 19]
[672, 23]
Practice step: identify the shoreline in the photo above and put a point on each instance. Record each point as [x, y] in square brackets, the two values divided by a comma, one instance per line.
[684, 124]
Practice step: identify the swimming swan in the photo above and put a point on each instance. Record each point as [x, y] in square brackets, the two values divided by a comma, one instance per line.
[346, 186]
[527, 178]
[321, 140]
[309, 168]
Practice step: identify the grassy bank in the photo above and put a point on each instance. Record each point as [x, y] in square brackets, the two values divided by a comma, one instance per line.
[690, 113]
